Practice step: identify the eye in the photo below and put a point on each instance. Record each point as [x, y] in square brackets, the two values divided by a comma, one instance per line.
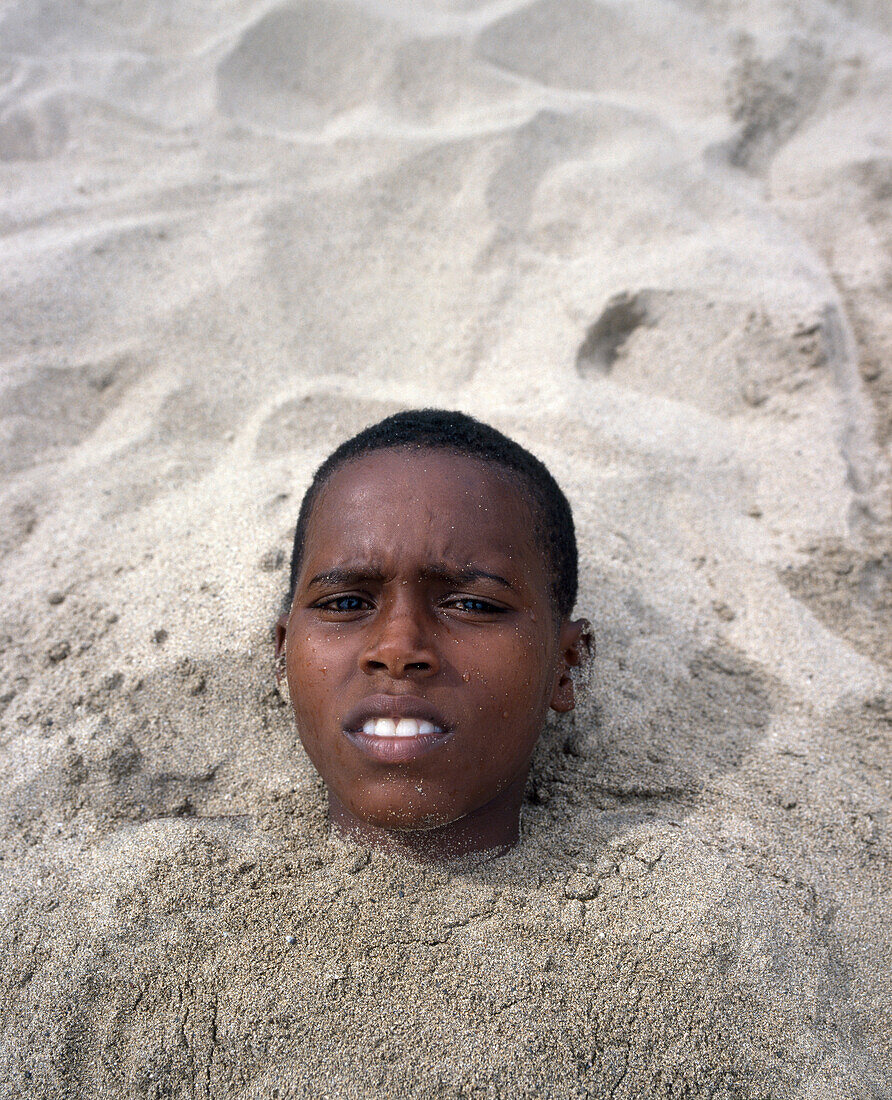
[474, 605]
[343, 605]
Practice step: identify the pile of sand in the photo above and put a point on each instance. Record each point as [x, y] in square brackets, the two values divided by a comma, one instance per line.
[651, 239]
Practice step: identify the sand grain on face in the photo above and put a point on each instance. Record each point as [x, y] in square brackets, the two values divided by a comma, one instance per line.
[651, 242]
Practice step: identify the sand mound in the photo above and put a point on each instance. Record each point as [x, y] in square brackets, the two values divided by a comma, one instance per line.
[652, 242]
[302, 64]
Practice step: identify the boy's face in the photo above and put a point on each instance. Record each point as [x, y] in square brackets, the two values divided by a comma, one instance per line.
[423, 596]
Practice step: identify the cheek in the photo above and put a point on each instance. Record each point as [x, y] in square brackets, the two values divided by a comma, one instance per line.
[516, 668]
[312, 670]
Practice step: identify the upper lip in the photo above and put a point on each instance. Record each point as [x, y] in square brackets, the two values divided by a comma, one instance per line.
[393, 706]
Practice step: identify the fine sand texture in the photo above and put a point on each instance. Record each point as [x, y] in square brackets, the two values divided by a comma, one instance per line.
[652, 240]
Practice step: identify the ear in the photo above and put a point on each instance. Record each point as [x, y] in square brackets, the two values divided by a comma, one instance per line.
[281, 629]
[577, 644]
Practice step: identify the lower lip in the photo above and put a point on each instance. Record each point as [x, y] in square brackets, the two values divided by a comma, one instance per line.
[396, 750]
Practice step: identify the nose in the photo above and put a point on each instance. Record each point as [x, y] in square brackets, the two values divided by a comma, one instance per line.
[400, 645]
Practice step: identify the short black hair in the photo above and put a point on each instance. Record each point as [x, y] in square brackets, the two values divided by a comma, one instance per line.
[463, 435]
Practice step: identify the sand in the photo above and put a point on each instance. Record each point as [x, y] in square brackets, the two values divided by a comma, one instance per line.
[651, 239]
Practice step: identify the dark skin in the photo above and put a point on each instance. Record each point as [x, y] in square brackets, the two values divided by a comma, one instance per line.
[423, 594]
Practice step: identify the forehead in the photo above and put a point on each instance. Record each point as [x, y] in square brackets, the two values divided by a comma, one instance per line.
[427, 502]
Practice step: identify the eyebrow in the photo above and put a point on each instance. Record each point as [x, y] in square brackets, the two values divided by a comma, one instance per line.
[466, 575]
[332, 578]
[452, 575]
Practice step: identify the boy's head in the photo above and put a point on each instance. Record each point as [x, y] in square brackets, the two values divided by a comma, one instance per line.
[433, 575]
[463, 435]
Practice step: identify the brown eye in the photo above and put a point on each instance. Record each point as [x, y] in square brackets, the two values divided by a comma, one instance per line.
[344, 605]
[475, 605]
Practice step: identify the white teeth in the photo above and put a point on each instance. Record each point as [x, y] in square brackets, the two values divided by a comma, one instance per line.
[405, 727]
[380, 727]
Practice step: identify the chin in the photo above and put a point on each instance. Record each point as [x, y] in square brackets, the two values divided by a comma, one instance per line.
[404, 820]
[401, 816]
[425, 823]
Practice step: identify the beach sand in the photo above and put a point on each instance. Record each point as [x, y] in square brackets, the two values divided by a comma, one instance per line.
[650, 239]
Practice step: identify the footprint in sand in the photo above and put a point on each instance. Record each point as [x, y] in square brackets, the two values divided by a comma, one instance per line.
[720, 356]
[770, 99]
[603, 342]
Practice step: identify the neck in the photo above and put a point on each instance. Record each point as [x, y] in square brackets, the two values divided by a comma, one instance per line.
[494, 827]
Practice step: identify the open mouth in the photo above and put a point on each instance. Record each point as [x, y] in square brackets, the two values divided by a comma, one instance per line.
[401, 727]
[395, 729]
